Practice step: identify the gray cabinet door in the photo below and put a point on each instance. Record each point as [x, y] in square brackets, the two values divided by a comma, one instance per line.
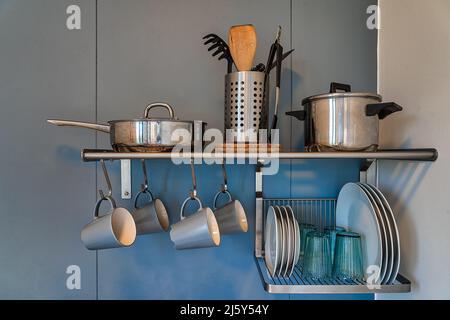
[153, 51]
[47, 194]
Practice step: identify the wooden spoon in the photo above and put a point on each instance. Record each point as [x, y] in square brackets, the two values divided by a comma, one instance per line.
[242, 43]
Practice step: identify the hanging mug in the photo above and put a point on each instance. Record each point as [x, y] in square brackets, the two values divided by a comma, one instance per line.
[231, 217]
[152, 217]
[199, 230]
[112, 230]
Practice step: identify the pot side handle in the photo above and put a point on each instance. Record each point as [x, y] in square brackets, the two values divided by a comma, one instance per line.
[80, 124]
[382, 109]
[300, 114]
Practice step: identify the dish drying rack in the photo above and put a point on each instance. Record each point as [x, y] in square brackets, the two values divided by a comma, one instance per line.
[321, 213]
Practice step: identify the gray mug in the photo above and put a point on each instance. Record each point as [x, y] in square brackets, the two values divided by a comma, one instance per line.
[231, 216]
[112, 230]
[152, 217]
[199, 230]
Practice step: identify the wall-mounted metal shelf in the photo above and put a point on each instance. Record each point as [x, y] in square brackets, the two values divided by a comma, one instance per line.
[296, 284]
[406, 154]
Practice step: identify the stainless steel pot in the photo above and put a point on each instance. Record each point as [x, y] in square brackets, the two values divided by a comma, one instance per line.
[343, 121]
[146, 134]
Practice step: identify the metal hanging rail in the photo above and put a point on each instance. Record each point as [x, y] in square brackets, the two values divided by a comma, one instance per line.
[406, 154]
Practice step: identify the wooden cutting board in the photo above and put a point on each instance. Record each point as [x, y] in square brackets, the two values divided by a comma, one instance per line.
[247, 148]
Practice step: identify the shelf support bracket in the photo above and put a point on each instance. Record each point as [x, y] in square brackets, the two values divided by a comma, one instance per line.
[369, 172]
[125, 179]
[259, 209]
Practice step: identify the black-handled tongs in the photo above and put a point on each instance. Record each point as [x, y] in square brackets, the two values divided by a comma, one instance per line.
[276, 49]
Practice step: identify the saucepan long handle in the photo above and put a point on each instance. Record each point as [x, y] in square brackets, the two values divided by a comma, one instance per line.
[80, 124]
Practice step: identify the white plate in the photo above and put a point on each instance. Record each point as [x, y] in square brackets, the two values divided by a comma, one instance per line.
[286, 241]
[355, 212]
[271, 241]
[291, 242]
[396, 235]
[282, 242]
[388, 247]
[297, 237]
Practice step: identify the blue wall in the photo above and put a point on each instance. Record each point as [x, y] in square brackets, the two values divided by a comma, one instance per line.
[145, 51]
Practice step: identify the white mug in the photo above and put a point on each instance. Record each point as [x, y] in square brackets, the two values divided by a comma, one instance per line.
[152, 217]
[199, 230]
[112, 230]
[231, 216]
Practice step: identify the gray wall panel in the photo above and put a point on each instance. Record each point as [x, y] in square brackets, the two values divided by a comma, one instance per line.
[161, 56]
[46, 193]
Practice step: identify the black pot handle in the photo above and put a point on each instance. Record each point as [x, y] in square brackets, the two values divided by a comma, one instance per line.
[382, 109]
[335, 86]
[300, 114]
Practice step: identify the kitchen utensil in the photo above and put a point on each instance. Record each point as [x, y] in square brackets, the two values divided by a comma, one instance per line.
[272, 244]
[276, 50]
[355, 212]
[305, 228]
[317, 260]
[395, 233]
[245, 107]
[290, 240]
[297, 236]
[279, 55]
[231, 216]
[221, 48]
[153, 216]
[348, 259]
[343, 121]
[242, 43]
[261, 67]
[112, 230]
[388, 261]
[199, 230]
[146, 134]
[332, 232]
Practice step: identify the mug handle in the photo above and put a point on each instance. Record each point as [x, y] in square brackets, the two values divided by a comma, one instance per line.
[145, 191]
[230, 199]
[182, 217]
[99, 202]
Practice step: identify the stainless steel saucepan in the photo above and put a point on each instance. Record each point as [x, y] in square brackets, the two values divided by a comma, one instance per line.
[343, 121]
[146, 134]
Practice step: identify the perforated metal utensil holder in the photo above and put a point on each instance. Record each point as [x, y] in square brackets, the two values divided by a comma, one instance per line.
[245, 104]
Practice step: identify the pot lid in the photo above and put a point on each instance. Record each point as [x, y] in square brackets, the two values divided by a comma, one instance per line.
[338, 95]
[151, 120]
[170, 118]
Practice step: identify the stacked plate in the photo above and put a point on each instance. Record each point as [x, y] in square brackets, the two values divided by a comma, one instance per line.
[282, 241]
[362, 208]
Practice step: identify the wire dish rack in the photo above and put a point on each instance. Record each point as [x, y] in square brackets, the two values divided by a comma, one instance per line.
[318, 212]
[321, 213]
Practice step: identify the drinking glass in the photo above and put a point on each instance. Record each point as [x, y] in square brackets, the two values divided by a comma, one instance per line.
[317, 259]
[305, 228]
[348, 261]
[332, 232]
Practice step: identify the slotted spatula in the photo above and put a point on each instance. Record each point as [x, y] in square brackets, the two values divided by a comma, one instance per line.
[242, 43]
